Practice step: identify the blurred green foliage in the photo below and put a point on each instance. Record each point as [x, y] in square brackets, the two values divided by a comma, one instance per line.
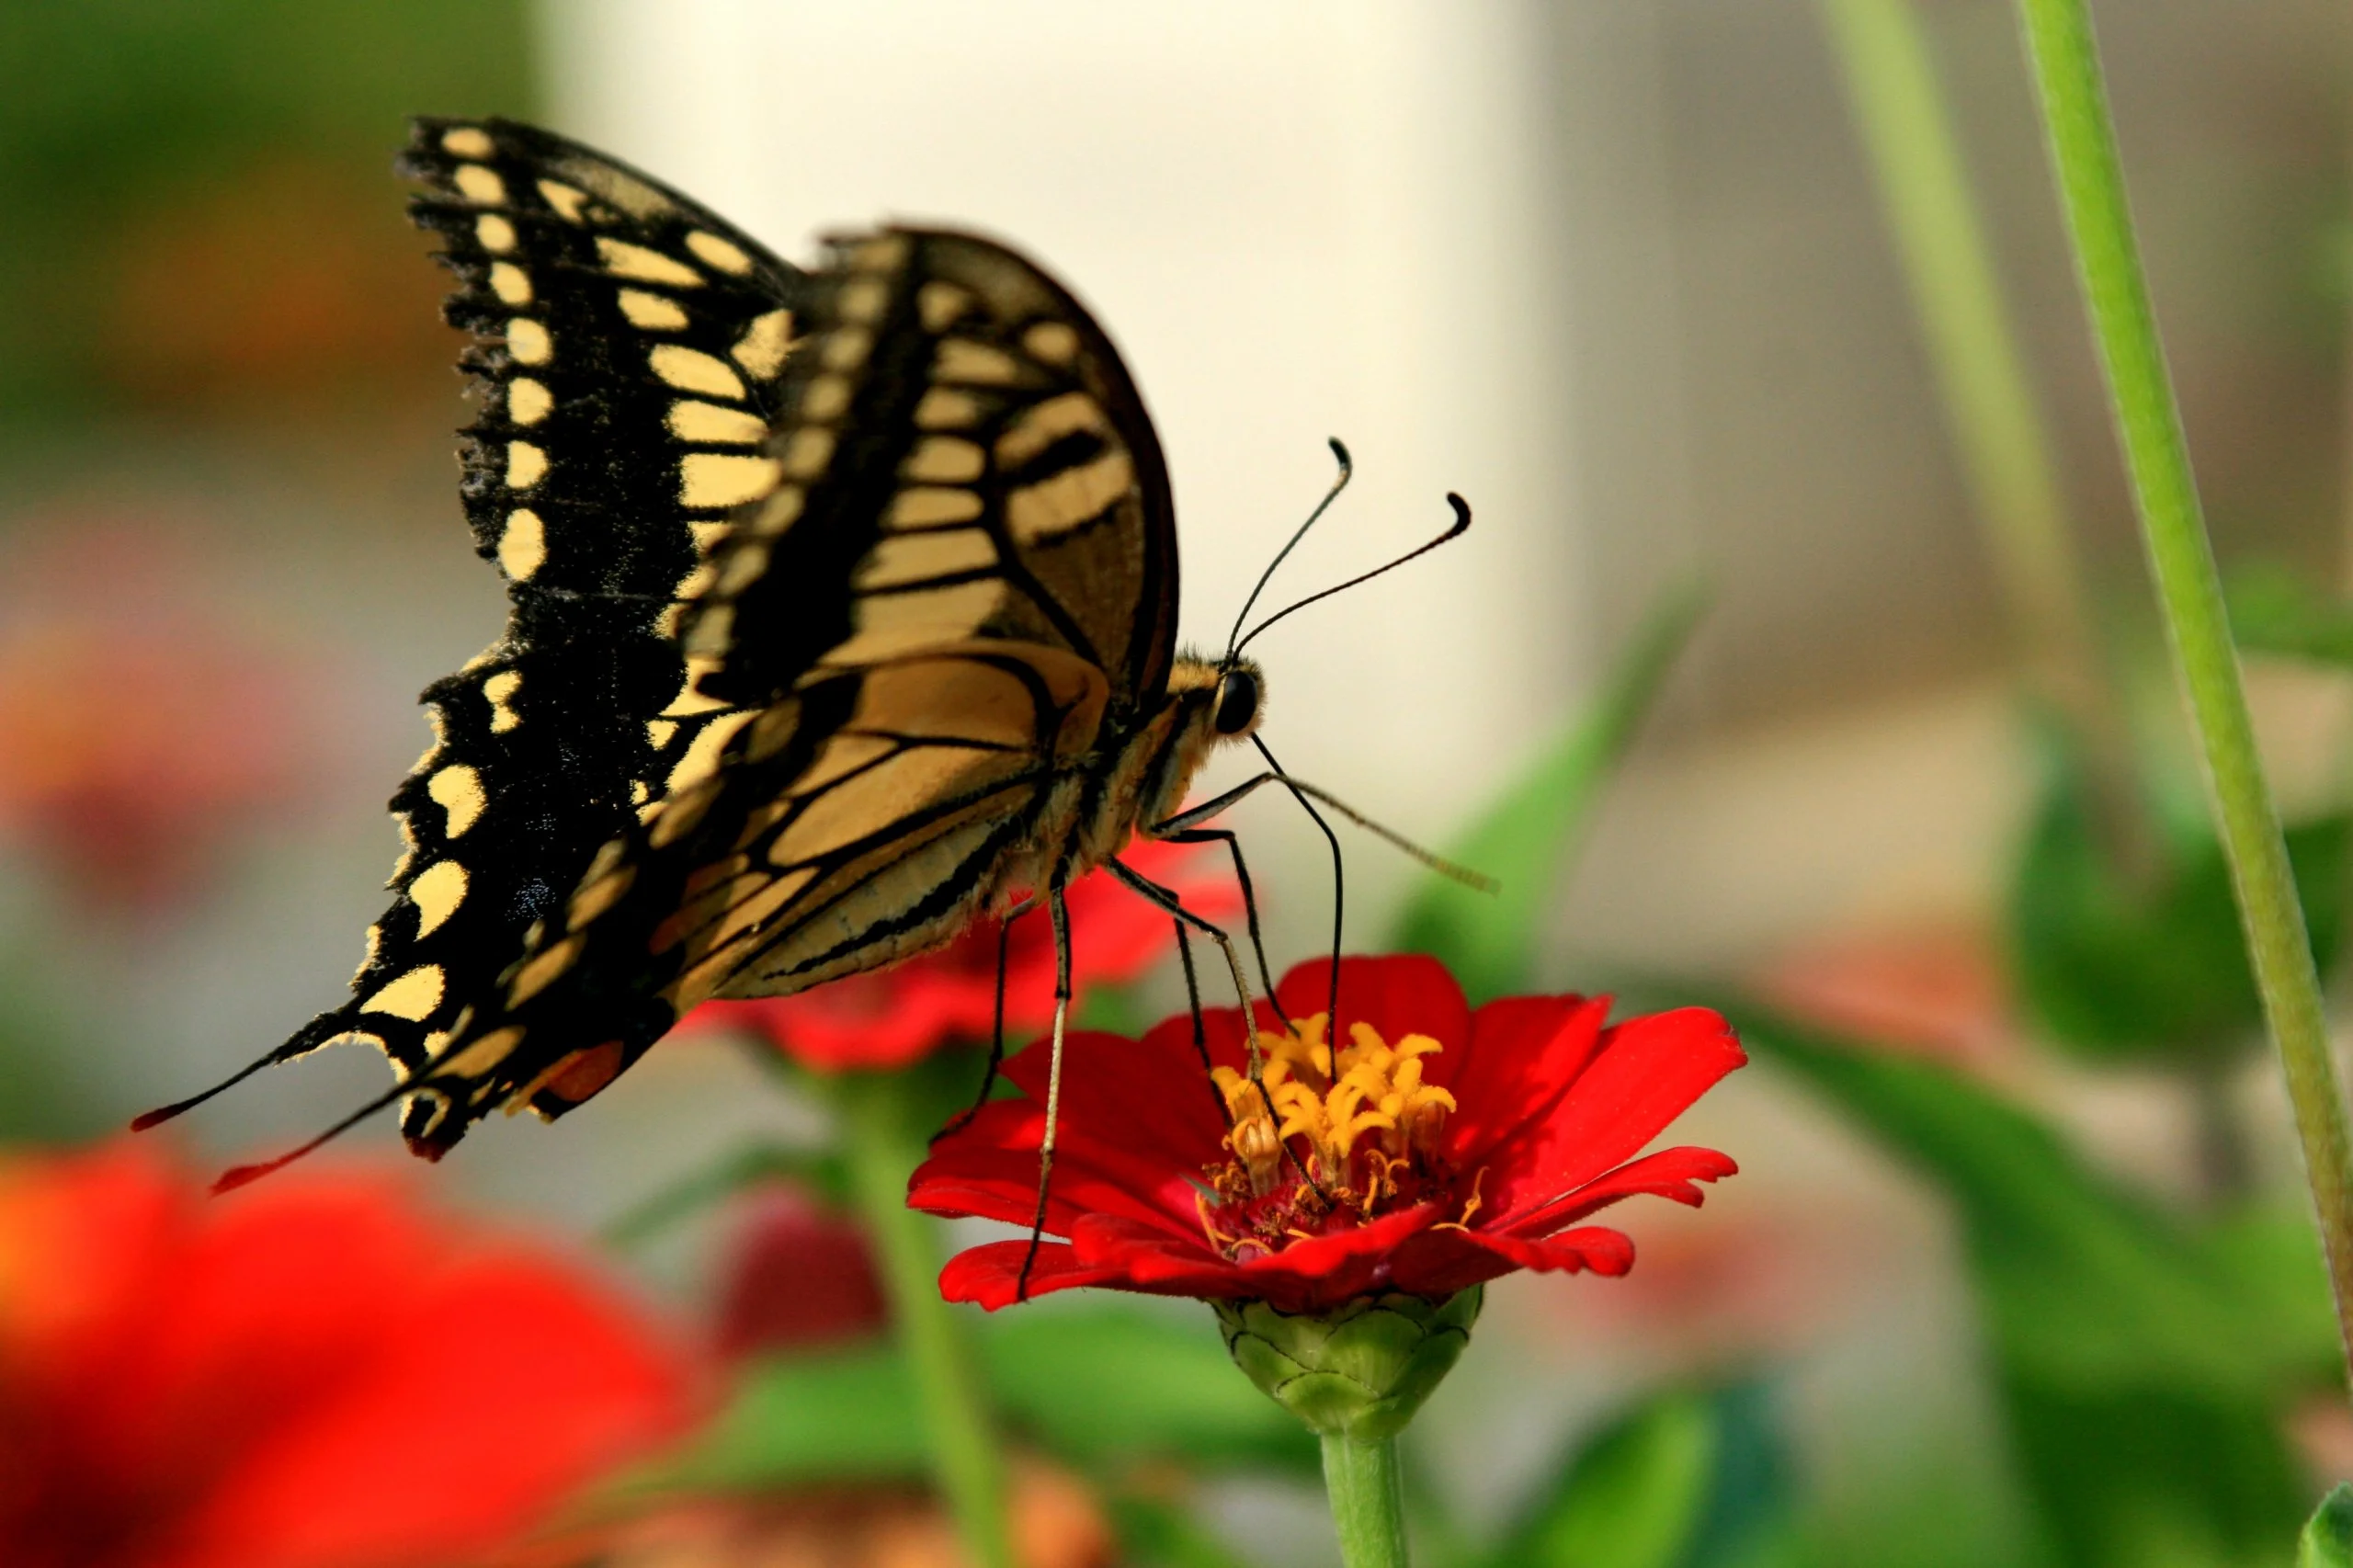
[113, 111]
[1530, 834]
[2149, 966]
[2328, 1537]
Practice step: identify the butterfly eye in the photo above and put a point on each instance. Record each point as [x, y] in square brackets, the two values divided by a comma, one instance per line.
[1238, 702]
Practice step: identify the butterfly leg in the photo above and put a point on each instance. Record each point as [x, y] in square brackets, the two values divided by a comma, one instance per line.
[996, 1034]
[1058, 912]
[1200, 1026]
[1249, 898]
[1166, 898]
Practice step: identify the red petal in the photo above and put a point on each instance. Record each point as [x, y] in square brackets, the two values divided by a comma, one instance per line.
[1522, 1055]
[1670, 1172]
[1151, 1097]
[1399, 994]
[989, 1274]
[1442, 1262]
[1647, 1072]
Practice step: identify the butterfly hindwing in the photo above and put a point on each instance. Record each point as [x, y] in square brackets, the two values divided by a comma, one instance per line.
[909, 645]
[626, 358]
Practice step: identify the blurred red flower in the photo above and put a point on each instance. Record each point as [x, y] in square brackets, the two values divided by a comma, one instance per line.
[1446, 1146]
[894, 1017]
[800, 1276]
[313, 1376]
[137, 732]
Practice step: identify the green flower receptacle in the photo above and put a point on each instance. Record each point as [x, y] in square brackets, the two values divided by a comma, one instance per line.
[1359, 1371]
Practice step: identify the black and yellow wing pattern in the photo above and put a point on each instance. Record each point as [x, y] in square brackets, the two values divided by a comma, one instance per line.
[832, 591]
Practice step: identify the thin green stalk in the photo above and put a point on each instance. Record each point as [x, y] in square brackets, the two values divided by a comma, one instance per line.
[2181, 559]
[1995, 422]
[884, 1147]
[1366, 1486]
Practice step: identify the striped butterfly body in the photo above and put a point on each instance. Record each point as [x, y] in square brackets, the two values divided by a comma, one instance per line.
[843, 606]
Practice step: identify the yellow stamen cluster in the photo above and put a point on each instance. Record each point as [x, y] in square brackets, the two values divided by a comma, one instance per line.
[1374, 1087]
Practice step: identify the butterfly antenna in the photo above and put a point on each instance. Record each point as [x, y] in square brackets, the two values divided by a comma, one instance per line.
[242, 1175]
[1461, 523]
[1339, 482]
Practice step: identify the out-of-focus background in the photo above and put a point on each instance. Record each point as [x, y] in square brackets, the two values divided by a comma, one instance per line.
[1617, 273]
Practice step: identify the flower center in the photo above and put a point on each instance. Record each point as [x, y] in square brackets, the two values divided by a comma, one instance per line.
[1330, 1142]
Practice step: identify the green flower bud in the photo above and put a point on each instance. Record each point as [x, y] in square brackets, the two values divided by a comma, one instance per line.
[1360, 1370]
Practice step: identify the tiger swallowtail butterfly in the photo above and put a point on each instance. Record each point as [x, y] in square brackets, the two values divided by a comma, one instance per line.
[843, 606]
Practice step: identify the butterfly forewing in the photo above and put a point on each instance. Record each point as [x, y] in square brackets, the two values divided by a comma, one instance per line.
[626, 356]
[912, 646]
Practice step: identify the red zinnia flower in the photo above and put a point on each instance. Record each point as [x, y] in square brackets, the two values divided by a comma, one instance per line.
[1450, 1146]
[309, 1376]
[893, 1017]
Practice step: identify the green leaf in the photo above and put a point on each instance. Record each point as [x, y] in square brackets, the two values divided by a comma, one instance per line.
[1100, 1389]
[1689, 1479]
[796, 1421]
[1122, 1383]
[2154, 971]
[2275, 610]
[2140, 1375]
[1529, 835]
[2328, 1537]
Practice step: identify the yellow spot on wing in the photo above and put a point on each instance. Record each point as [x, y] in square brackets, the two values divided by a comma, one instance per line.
[1071, 497]
[861, 299]
[1052, 342]
[528, 400]
[481, 1057]
[658, 732]
[764, 345]
[900, 559]
[720, 253]
[413, 997]
[895, 623]
[567, 200]
[629, 193]
[495, 233]
[623, 259]
[724, 479]
[690, 370]
[925, 509]
[539, 973]
[526, 465]
[707, 422]
[458, 789]
[500, 690]
[745, 566]
[806, 455]
[510, 283]
[944, 460]
[437, 893]
[651, 312]
[940, 304]
[467, 141]
[523, 547]
[946, 408]
[702, 758]
[600, 895]
[1049, 421]
[528, 340]
[479, 185]
[960, 359]
[825, 398]
[779, 511]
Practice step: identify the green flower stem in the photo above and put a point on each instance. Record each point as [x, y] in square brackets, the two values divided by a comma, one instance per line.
[884, 1145]
[1368, 1491]
[1998, 430]
[2181, 559]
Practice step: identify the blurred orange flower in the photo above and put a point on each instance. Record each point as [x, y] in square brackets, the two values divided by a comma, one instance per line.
[315, 1375]
[894, 1017]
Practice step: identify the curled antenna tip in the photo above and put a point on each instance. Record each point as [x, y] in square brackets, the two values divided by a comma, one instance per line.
[1462, 513]
[1340, 454]
[146, 1120]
